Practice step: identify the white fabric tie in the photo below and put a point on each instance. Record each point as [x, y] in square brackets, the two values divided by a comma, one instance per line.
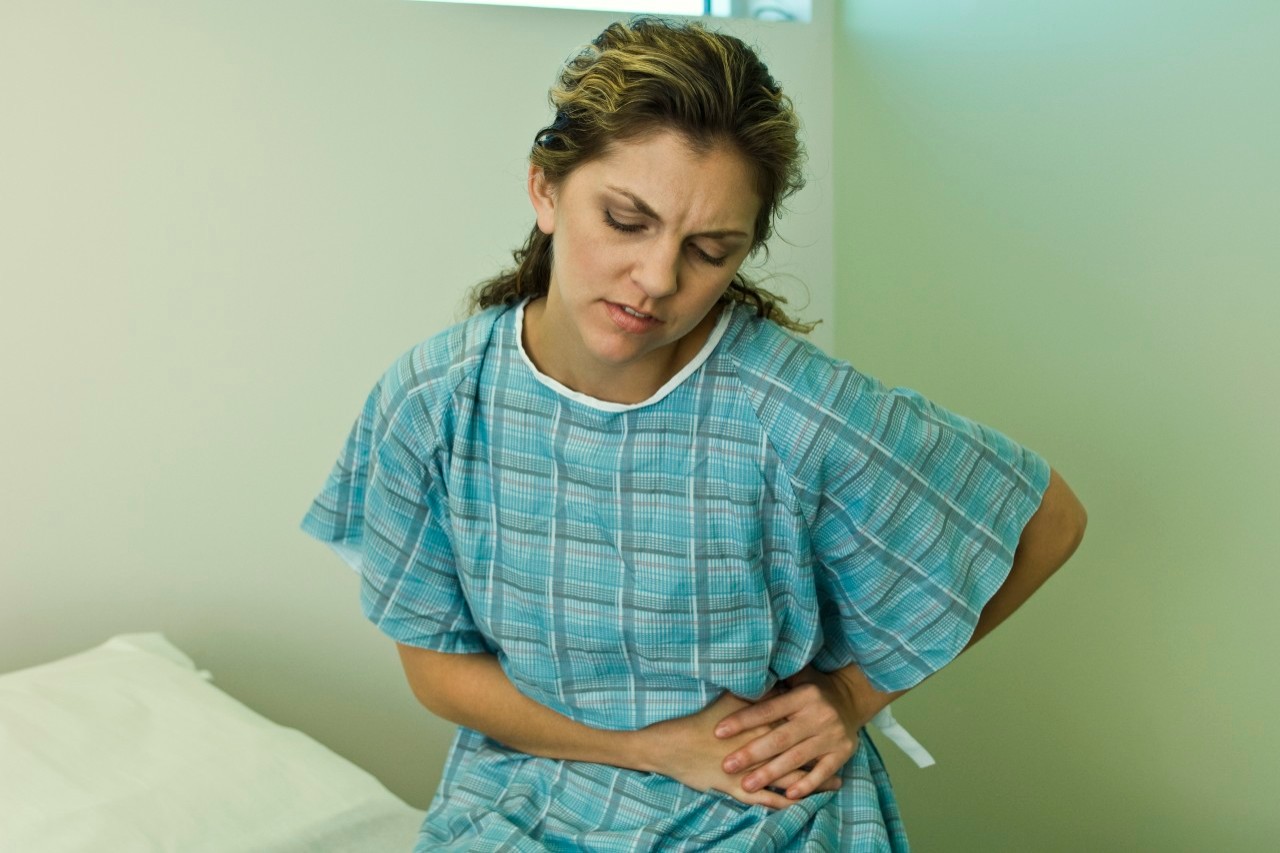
[893, 730]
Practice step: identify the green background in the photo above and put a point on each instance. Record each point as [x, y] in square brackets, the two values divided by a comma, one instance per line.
[1061, 219]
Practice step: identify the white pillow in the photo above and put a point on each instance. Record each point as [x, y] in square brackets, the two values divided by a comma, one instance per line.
[126, 747]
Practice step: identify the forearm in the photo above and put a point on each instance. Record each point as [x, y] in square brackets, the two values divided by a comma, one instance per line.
[473, 691]
[1047, 542]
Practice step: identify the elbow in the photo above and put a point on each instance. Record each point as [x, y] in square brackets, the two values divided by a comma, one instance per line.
[1073, 519]
[1077, 535]
[1057, 528]
[422, 671]
[1077, 519]
[450, 685]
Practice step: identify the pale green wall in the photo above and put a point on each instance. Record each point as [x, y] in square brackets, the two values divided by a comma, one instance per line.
[220, 222]
[1062, 219]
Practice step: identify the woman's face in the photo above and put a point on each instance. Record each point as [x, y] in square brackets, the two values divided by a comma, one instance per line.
[650, 228]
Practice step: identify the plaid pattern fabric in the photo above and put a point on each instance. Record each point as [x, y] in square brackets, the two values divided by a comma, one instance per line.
[777, 507]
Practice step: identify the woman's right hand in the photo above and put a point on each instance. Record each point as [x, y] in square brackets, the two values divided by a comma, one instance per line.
[686, 749]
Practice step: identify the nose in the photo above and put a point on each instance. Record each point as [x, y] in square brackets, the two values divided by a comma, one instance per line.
[657, 271]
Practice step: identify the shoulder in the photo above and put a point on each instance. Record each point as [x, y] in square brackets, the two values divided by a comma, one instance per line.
[813, 408]
[788, 376]
[420, 383]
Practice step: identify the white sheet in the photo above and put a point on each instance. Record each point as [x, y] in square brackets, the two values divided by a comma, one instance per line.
[126, 747]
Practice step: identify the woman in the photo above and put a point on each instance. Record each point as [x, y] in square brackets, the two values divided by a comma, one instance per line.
[659, 558]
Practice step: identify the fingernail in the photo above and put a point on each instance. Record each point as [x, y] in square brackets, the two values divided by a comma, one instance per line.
[732, 765]
[750, 784]
[721, 731]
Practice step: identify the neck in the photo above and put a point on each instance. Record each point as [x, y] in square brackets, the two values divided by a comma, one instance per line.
[627, 385]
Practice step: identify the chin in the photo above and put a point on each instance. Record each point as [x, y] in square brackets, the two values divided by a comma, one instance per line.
[619, 356]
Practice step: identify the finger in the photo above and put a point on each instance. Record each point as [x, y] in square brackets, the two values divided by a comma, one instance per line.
[773, 742]
[785, 762]
[822, 773]
[788, 782]
[760, 714]
[772, 799]
[785, 782]
[767, 798]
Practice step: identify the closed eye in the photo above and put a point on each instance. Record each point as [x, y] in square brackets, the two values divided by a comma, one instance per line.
[629, 229]
[613, 223]
[715, 262]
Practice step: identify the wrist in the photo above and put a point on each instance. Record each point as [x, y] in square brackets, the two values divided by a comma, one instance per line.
[861, 694]
[644, 748]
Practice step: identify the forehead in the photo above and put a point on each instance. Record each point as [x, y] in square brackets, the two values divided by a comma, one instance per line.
[714, 188]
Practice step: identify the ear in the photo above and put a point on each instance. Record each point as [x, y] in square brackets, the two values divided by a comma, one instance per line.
[542, 195]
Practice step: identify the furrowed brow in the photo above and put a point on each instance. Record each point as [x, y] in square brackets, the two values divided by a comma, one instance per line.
[641, 204]
[643, 207]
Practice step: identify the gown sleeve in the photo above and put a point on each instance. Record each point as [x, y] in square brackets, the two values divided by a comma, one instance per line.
[383, 509]
[918, 517]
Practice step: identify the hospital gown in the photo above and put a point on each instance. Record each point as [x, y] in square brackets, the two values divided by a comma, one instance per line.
[768, 508]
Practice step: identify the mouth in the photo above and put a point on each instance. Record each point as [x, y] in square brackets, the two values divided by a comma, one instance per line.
[631, 320]
[634, 313]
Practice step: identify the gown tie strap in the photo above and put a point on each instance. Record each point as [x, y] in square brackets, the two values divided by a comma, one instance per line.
[893, 730]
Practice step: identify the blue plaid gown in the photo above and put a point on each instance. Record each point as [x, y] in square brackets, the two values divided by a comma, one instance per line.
[768, 508]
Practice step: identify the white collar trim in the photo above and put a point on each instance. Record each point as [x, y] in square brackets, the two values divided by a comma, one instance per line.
[722, 323]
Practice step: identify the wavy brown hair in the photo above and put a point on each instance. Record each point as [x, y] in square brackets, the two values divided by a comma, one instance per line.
[650, 74]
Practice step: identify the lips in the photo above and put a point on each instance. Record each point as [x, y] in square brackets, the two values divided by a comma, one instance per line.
[629, 320]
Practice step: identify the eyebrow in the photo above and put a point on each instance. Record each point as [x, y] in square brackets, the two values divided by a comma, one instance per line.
[648, 211]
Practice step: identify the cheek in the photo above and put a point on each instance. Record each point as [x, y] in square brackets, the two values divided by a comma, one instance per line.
[714, 287]
[595, 263]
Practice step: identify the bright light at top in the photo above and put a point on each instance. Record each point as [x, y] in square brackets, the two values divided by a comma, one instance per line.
[768, 10]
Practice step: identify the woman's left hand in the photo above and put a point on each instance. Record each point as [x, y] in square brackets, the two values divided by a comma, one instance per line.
[815, 728]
